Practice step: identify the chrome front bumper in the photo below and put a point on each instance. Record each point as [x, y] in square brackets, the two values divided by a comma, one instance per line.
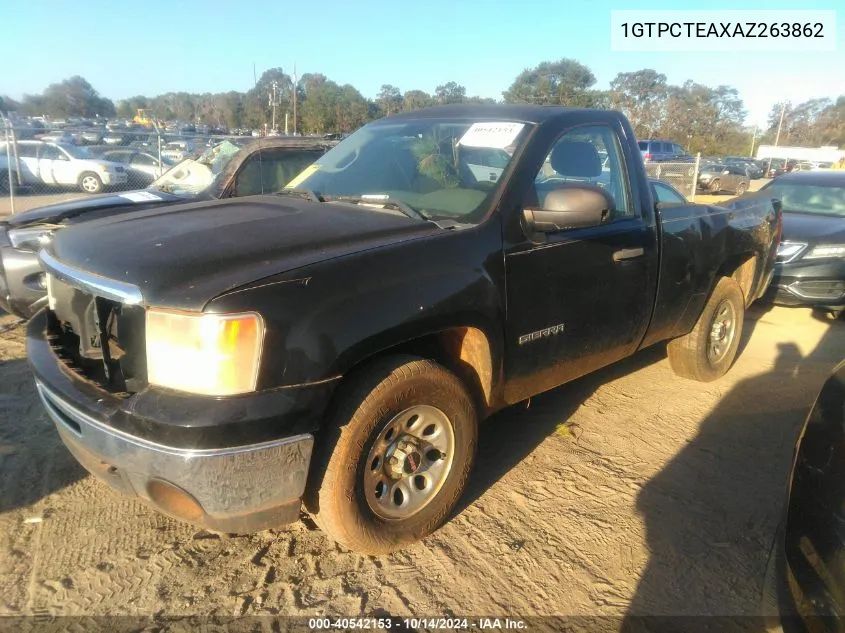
[239, 489]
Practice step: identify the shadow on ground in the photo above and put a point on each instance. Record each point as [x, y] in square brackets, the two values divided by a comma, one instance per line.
[712, 488]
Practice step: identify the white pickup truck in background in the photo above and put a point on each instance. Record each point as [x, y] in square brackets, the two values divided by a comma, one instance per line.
[56, 164]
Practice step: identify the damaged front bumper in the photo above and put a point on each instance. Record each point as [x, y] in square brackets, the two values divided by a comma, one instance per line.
[238, 489]
[231, 481]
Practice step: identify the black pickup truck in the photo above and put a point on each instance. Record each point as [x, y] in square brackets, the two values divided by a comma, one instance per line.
[338, 343]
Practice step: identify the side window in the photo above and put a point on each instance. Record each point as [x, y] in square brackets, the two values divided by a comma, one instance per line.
[590, 155]
[678, 150]
[248, 178]
[25, 150]
[275, 169]
[667, 194]
[115, 157]
[667, 148]
[143, 160]
[50, 152]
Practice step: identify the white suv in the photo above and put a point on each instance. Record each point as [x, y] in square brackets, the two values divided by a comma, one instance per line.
[60, 164]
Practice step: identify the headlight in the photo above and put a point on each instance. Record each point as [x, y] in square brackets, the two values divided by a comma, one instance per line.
[209, 354]
[823, 252]
[31, 239]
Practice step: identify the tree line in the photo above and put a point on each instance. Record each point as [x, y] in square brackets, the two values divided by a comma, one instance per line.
[701, 118]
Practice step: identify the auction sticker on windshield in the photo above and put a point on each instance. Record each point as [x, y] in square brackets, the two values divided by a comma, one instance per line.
[492, 135]
[293, 184]
[140, 196]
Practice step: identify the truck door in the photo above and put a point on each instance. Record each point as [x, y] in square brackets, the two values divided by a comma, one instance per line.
[579, 299]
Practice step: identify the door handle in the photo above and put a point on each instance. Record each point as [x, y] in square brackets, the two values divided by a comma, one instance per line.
[628, 253]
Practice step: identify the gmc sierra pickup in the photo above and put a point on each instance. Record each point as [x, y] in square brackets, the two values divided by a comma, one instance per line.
[338, 343]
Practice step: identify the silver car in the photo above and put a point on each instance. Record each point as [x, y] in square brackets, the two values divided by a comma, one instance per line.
[723, 178]
[142, 167]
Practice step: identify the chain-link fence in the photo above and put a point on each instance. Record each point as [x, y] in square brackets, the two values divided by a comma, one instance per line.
[46, 162]
[681, 175]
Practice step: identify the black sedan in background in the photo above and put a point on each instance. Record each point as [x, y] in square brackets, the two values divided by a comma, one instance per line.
[810, 269]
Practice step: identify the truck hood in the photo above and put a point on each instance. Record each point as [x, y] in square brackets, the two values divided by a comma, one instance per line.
[55, 213]
[185, 255]
[813, 228]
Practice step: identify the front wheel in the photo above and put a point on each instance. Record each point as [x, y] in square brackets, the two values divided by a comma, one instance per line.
[716, 186]
[397, 453]
[708, 351]
[89, 182]
[741, 188]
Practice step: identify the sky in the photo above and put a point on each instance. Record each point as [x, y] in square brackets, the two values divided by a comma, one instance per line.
[158, 46]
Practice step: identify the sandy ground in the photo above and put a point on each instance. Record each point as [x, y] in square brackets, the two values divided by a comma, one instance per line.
[631, 491]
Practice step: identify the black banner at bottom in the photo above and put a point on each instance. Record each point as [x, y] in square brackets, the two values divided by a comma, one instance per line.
[385, 623]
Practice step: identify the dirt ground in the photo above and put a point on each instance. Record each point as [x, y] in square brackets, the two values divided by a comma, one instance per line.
[631, 491]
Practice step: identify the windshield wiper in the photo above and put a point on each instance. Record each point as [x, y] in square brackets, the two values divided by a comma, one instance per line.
[308, 194]
[381, 200]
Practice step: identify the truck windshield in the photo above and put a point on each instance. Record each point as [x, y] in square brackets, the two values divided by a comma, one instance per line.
[441, 168]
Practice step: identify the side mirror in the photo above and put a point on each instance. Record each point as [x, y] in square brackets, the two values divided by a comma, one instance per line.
[727, 171]
[572, 206]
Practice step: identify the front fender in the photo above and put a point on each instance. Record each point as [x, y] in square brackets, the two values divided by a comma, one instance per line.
[323, 319]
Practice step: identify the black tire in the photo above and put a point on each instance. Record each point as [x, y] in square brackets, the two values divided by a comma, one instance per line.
[691, 356]
[89, 182]
[4, 180]
[362, 412]
[741, 188]
[716, 186]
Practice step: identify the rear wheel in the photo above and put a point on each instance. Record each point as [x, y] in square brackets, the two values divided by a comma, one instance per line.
[708, 351]
[396, 456]
[716, 186]
[89, 182]
[741, 188]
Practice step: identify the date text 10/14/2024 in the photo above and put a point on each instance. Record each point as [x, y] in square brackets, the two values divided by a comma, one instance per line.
[447, 624]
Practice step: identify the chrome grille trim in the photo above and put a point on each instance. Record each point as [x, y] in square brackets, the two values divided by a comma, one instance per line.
[126, 293]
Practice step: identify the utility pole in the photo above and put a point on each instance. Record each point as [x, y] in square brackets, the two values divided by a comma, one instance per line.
[753, 141]
[294, 98]
[275, 85]
[780, 124]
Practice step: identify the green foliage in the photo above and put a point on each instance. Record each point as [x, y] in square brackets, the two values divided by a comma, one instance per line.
[450, 92]
[813, 123]
[701, 118]
[434, 162]
[71, 97]
[565, 82]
